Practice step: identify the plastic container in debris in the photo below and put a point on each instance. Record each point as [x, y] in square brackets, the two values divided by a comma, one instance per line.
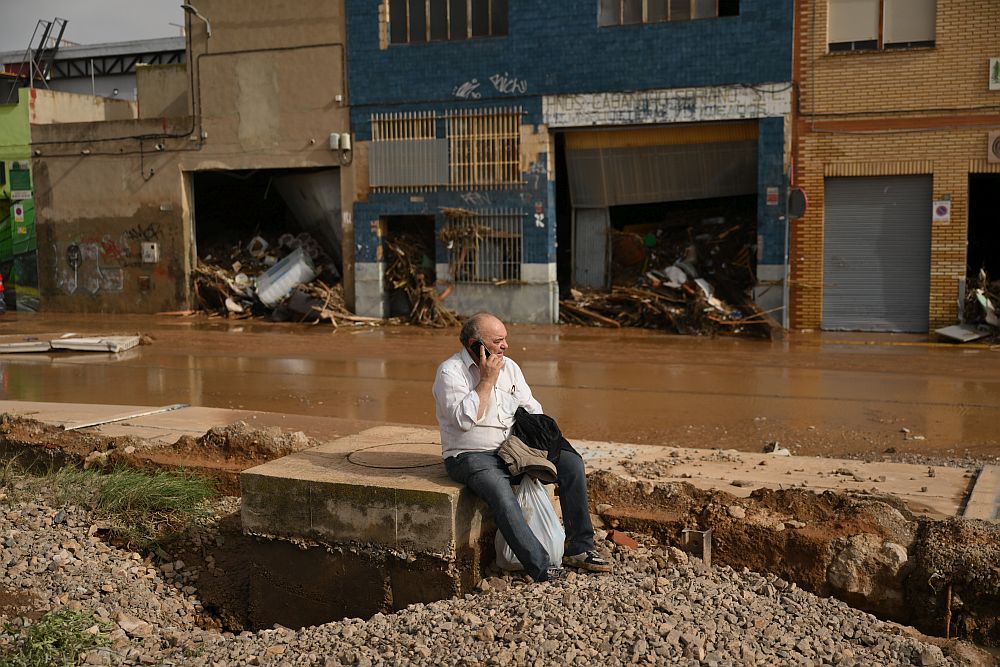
[278, 282]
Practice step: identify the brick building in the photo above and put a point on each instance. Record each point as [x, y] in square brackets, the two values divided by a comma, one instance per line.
[512, 139]
[895, 147]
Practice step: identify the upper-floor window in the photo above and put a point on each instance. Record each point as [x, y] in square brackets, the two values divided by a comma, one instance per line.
[857, 25]
[415, 21]
[626, 12]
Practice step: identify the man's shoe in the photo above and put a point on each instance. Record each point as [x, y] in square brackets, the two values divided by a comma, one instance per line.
[554, 573]
[588, 560]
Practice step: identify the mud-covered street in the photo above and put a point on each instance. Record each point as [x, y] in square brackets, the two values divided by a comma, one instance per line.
[818, 394]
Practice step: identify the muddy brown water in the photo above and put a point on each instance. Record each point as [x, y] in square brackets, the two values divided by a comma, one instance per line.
[820, 394]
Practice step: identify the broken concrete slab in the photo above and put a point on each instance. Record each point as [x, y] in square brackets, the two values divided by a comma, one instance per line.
[984, 501]
[963, 333]
[70, 341]
[936, 491]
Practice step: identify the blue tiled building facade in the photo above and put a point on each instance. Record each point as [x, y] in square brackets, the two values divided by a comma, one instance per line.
[507, 132]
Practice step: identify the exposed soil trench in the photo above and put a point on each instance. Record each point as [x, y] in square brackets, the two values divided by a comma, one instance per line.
[940, 576]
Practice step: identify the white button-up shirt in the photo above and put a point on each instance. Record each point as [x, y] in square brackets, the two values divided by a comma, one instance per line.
[458, 404]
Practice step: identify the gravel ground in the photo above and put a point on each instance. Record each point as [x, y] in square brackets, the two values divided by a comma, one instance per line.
[657, 608]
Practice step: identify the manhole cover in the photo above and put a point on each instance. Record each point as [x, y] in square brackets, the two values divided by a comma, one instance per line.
[398, 455]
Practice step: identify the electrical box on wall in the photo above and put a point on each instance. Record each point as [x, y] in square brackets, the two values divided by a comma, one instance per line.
[150, 253]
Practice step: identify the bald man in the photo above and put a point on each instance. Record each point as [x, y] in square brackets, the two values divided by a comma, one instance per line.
[477, 391]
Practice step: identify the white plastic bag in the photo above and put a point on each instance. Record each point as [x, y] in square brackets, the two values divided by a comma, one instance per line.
[542, 520]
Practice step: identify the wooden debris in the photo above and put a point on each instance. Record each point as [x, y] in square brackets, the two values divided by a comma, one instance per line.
[684, 310]
[405, 273]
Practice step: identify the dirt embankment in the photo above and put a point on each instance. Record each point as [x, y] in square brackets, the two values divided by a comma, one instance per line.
[221, 453]
[939, 576]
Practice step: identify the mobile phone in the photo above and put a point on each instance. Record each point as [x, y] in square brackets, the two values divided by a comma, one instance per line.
[477, 345]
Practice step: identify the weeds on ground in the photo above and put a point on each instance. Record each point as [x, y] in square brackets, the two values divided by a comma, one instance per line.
[147, 510]
[142, 509]
[58, 638]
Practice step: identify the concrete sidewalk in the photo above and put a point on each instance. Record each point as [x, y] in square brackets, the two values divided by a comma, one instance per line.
[932, 491]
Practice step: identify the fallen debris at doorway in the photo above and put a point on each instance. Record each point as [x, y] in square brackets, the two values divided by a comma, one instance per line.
[263, 283]
[981, 308]
[410, 277]
[683, 309]
[687, 275]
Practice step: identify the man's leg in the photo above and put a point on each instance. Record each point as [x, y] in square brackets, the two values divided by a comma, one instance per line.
[573, 501]
[489, 479]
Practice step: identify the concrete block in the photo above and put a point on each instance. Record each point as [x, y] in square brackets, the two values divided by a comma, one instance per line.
[380, 524]
[386, 486]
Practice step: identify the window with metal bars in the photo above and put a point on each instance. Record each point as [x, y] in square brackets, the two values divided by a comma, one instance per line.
[416, 21]
[628, 12]
[484, 246]
[481, 149]
[484, 147]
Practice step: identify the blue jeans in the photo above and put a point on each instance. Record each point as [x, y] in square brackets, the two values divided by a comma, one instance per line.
[488, 477]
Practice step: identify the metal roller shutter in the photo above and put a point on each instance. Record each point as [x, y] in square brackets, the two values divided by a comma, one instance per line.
[876, 253]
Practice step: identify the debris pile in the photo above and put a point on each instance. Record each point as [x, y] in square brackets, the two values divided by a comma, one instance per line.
[415, 281]
[982, 302]
[293, 279]
[695, 280]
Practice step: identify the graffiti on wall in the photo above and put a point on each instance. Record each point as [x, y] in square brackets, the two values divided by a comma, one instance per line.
[467, 90]
[481, 199]
[505, 84]
[97, 265]
[509, 85]
[667, 106]
[537, 174]
[150, 232]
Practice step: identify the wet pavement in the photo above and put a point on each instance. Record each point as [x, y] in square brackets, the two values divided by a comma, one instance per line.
[817, 394]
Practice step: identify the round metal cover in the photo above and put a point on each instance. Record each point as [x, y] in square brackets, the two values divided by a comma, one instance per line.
[398, 455]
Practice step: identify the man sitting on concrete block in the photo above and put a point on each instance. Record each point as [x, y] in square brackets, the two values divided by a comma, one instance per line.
[477, 391]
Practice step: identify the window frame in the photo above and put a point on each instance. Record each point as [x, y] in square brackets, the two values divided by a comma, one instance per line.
[497, 20]
[879, 44]
[651, 8]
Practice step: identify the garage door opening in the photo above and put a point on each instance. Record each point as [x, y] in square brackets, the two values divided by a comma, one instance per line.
[638, 199]
[877, 253]
[984, 226]
[246, 222]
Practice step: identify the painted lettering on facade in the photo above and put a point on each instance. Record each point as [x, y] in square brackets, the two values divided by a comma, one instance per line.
[676, 105]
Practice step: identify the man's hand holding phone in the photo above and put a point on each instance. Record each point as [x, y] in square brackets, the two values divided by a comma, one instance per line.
[489, 363]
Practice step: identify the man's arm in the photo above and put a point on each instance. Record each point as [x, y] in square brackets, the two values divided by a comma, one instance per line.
[457, 401]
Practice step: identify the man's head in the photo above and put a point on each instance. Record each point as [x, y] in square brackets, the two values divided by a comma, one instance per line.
[488, 328]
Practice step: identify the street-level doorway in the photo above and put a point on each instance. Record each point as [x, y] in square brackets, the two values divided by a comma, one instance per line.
[408, 254]
[876, 253]
[635, 199]
[984, 226]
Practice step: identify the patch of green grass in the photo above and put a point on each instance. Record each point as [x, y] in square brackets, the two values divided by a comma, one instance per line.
[58, 638]
[146, 510]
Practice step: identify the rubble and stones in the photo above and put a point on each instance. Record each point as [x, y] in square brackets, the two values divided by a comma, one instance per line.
[870, 551]
[658, 607]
